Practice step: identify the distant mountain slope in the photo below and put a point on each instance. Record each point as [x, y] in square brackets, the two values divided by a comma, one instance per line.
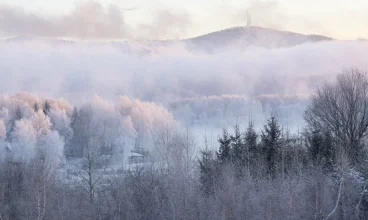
[232, 38]
[251, 36]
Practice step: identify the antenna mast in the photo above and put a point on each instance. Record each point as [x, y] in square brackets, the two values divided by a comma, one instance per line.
[249, 20]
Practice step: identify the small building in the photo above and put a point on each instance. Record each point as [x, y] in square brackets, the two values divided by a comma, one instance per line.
[135, 158]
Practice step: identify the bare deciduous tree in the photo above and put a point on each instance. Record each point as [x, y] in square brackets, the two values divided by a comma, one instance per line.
[343, 109]
[92, 163]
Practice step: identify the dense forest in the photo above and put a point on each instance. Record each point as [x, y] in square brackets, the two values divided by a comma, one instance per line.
[132, 161]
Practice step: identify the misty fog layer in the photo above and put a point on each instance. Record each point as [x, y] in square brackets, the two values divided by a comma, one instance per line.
[195, 86]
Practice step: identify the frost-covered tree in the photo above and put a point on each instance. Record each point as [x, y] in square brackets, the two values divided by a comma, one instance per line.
[208, 171]
[342, 108]
[99, 136]
[252, 151]
[237, 146]
[42, 174]
[46, 107]
[225, 153]
[321, 149]
[271, 138]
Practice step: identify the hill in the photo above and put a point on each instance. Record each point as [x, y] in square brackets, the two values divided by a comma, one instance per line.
[242, 37]
[232, 38]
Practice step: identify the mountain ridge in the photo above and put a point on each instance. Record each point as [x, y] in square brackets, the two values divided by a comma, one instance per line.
[254, 36]
[231, 38]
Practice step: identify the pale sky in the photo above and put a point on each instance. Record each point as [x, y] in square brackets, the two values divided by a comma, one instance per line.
[342, 19]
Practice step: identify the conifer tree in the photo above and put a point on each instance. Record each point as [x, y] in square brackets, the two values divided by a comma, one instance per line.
[46, 107]
[224, 155]
[271, 144]
[208, 172]
[320, 148]
[237, 147]
[250, 144]
[36, 107]
[74, 148]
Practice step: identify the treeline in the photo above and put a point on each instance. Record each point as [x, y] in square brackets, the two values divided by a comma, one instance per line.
[319, 172]
[288, 176]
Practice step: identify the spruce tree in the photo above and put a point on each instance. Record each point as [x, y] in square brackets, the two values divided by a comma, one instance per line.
[36, 107]
[320, 148]
[315, 146]
[74, 117]
[237, 147]
[271, 144]
[46, 107]
[329, 151]
[18, 115]
[251, 148]
[74, 148]
[207, 171]
[224, 155]
[238, 151]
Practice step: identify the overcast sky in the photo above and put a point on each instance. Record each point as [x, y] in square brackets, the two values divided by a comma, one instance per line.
[168, 19]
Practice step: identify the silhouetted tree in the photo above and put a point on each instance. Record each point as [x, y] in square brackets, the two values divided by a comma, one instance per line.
[237, 147]
[251, 147]
[46, 107]
[74, 148]
[224, 154]
[36, 107]
[208, 172]
[18, 115]
[271, 144]
[320, 148]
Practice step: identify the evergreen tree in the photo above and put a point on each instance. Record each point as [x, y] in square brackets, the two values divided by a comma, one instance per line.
[237, 147]
[36, 107]
[251, 148]
[224, 155]
[320, 148]
[74, 117]
[238, 151]
[46, 107]
[74, 148]
[329, 150]
[208, 170]
[315, 146]
[18, 115]
[291, 154]
[271, 144]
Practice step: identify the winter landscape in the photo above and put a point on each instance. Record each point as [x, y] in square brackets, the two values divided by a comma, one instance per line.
[153, 110]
